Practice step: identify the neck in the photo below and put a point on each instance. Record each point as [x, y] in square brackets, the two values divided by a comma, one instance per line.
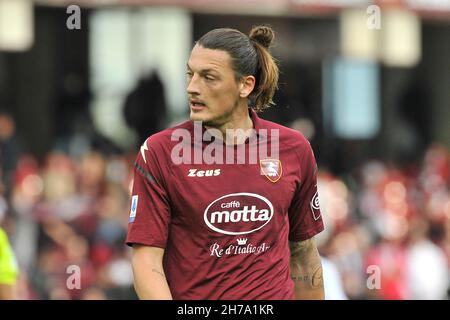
[239, 127]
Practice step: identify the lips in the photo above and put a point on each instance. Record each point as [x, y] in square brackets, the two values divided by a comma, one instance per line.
[196, 104]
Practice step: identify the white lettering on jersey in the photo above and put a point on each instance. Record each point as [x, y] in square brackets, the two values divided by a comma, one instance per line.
[238, 213]
[203, 173]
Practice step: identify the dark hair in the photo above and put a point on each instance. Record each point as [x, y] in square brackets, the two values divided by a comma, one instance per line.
[250, 56]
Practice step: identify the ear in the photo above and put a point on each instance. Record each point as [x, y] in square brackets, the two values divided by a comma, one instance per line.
[246, 86]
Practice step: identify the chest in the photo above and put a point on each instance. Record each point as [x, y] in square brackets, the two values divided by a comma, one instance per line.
[233, 199]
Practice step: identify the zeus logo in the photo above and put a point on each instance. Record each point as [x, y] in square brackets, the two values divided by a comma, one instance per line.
[203, 173]
[238, 213]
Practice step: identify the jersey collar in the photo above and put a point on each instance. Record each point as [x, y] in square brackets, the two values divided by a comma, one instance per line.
[257, 126]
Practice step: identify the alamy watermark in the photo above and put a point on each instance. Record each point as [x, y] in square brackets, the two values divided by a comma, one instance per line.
[223, 150]
[374, 19]
[374, 278]
[73, 22]
[74, 279]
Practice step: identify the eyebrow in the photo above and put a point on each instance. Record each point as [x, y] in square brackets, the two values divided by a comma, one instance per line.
[203, 70]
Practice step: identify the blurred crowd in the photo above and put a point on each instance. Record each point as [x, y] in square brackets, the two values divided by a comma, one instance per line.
[69, 209]
[387, 230]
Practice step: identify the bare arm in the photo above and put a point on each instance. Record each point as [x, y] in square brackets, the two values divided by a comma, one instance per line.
[149, 278]
[306, 270]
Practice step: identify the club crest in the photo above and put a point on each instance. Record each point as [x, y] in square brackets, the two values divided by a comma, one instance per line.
[272, 169]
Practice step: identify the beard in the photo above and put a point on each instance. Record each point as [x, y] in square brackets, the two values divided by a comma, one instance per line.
[223, 118]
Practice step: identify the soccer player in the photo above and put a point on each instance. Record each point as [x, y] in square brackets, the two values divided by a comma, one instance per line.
[208, 220]
[8, 269]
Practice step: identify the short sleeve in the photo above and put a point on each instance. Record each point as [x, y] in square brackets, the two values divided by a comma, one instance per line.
[149, 218]
[305, 219]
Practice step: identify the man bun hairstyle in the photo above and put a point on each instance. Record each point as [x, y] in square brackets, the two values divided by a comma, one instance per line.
[263, 35]
[267, 73]
[250, 55]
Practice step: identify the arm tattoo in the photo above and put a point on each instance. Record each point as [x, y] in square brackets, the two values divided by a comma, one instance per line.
[300, 278]
[305, 263]
[300, 248]
[159, 272]
[317, 278]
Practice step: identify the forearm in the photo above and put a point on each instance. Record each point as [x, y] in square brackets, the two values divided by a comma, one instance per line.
[306, 271]
[149, 278]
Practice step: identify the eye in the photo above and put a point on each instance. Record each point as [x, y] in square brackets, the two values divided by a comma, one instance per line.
[189, 73]
[208, 77]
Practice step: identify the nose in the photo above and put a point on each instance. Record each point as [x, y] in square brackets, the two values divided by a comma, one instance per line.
[192, 85]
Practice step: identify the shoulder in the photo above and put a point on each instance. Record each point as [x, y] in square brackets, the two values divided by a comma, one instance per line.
[159, 145]
[162, 142]
[163, 138]
[287, 136]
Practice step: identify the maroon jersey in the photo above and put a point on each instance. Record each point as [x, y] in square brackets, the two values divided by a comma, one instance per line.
[225, 227]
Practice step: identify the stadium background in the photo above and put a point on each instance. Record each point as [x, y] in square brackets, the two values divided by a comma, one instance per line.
[369, 88]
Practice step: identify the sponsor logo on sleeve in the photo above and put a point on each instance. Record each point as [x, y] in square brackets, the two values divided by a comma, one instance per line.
[315, 207]
[134, 203]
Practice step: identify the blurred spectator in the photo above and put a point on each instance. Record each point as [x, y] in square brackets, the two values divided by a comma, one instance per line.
[145, 107]
[334, 289]
[428, 274]
[10, 148]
